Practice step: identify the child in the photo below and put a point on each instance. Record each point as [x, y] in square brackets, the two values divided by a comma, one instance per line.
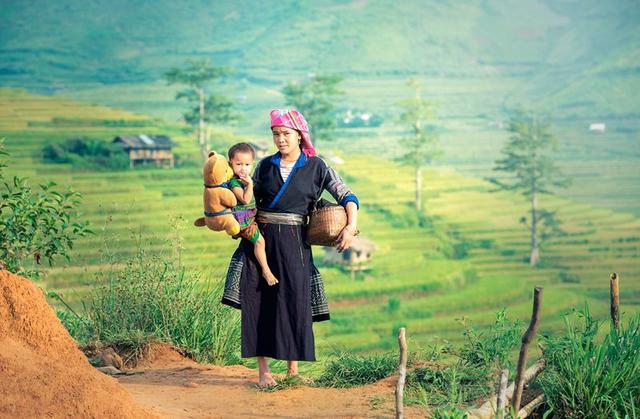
[241, 157]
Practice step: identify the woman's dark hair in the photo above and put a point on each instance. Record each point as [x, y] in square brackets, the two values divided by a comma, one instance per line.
[241, 148]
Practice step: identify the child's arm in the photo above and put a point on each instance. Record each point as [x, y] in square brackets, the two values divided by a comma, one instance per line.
[248, 189]
[245, 195]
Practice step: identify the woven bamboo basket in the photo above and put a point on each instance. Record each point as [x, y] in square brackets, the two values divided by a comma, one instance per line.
[325, 225]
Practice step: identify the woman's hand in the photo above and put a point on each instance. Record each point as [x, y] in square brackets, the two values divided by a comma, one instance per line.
[344, 240]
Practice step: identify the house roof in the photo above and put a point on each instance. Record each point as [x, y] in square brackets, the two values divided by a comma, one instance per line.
[363, 244]
[142, 141]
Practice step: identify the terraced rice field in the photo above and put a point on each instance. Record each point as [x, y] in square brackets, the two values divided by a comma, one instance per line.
[575, 267]
[469, 263]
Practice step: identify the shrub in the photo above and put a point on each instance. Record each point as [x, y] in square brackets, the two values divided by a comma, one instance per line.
[87, 153]
[152, 298]
[393, 304]
[590, 379]
[349, 370]
[35, 224]
[54, 153]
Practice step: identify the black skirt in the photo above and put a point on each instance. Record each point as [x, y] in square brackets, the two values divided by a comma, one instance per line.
[277, 320]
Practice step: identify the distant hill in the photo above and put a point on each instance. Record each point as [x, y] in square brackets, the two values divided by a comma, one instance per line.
[565, 54]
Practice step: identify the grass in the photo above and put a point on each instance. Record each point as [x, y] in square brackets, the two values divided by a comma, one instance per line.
[349, 370]
[153, 298]
[587, 375]
[453, 377]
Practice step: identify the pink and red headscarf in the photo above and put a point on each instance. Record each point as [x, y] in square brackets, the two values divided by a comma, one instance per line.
[294, 120]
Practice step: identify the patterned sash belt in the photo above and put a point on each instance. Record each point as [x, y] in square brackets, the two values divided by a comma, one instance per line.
[266, 217]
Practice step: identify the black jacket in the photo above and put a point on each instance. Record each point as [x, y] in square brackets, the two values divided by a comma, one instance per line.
[310, 175]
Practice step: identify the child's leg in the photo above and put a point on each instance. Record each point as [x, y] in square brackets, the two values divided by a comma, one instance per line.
[259, 249]
[265, 379]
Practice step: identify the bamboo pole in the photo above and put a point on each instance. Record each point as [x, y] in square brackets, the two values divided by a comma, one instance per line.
[502, 394]
[615, 301]
[528, 409]
[526, 340]
[402, 371]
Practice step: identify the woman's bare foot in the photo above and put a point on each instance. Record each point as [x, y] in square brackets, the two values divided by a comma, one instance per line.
[292, 368]
[266, 380]
[271, 280]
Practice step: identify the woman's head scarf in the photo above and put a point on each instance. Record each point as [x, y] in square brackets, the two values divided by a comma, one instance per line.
[294, 120]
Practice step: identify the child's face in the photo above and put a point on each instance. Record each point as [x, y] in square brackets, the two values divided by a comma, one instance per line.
[241, 163]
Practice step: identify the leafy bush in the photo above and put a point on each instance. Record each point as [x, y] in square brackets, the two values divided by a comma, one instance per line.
[86, 153]
[152, 298]
[349, 370]
[54, 153]
[393, 304]
[586, 378]
[35, 224]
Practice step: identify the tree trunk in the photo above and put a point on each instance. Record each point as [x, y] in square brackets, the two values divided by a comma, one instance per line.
[402, 374]
[201, 134]
[535, 245]
[418, 188]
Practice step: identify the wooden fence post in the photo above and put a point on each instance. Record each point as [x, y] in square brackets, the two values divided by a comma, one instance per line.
[502, 394]
[526, 340]
[402, 371]
[615, 301]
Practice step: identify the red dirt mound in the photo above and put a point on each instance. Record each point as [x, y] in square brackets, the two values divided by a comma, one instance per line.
[42, 372]
[163, 355]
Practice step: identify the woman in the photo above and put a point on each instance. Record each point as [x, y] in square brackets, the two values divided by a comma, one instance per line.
[277, 320]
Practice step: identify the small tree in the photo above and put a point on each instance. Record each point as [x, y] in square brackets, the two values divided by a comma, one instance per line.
[421, 146]
[527, 157]
[35, 224]
[197, 74]
[316, 98]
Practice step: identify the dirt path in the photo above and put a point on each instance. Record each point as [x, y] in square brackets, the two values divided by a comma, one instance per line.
[179, 388]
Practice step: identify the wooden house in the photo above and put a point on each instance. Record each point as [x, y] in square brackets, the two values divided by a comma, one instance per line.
[147, 149]
[356, 258]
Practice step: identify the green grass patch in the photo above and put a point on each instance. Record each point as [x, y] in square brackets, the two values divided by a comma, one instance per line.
[350, 370]
[589, 377]
[151, 298]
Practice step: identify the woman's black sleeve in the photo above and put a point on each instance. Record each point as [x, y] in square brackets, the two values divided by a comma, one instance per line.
[337, 187]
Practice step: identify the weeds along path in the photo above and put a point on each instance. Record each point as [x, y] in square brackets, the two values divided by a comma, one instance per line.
[179, 388]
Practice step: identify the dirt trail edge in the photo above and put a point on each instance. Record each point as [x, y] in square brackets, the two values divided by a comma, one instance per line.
[179, 388]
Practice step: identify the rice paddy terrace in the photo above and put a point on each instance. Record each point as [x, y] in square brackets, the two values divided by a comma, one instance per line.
[468, 260]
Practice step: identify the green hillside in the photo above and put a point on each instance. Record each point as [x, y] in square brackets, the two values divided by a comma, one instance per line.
[564, 57]
[469, 263]
[578, 62]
